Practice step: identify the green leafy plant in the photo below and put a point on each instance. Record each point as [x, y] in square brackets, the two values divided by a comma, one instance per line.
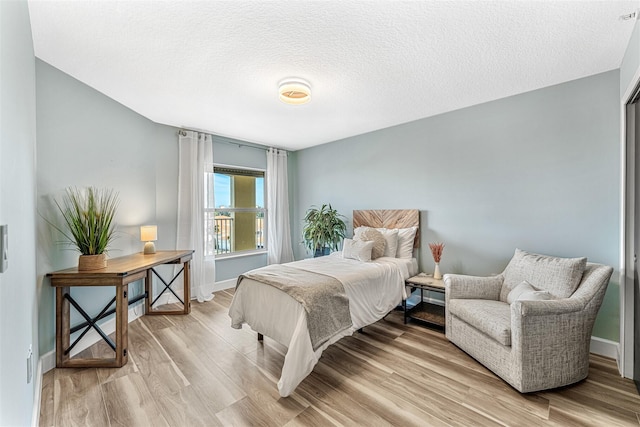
[323, 228]
[88, 218]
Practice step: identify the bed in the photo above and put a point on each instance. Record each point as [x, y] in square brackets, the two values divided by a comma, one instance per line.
[372, 290]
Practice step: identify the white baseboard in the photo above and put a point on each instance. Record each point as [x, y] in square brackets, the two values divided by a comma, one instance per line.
[429, 300]
[225, 284]
[619, 360]
[599, 346]
[433, 301]
[108, 327]
[603, 347]
[169, 298]
[35, 414]
[48, 361]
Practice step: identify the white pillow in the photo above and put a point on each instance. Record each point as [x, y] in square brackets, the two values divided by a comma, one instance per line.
[357, 249]
[526, 292]
[406, 237]
[535, 296]
[357, 233]
[391, 237]
[372, 235]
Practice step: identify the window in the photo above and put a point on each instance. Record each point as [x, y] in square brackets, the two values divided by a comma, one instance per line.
[235, 213]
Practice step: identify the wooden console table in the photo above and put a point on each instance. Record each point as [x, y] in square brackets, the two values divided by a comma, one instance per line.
[119, 273]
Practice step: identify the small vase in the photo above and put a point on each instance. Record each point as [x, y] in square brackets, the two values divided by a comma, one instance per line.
[436, 272]
[92, 262]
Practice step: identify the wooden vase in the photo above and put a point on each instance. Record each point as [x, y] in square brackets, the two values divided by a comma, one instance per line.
[92, 262]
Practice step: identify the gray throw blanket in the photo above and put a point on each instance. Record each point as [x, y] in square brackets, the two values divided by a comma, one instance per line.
[323, 298]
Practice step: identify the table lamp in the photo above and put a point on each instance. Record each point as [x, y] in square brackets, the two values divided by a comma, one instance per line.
[149, 234]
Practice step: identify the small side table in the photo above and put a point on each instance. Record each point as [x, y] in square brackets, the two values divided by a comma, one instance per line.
[424, 311]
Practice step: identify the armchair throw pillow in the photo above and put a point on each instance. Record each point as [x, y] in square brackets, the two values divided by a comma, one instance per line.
[525, 292]
[559, 276]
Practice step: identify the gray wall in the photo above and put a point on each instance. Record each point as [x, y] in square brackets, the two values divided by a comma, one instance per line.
[18, 301]
[538, 171]
[86, 138]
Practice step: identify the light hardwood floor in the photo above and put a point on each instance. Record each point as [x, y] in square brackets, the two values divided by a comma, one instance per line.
[196, 370]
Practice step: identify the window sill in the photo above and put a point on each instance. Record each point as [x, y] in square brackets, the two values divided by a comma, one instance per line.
[237, 255]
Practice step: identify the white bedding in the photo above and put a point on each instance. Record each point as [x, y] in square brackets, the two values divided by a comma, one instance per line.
[374, 288]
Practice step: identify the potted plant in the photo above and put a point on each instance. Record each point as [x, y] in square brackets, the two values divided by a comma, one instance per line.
[88, 223]
[323, 230]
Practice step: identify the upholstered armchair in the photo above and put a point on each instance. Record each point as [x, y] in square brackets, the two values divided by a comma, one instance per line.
[531, 325]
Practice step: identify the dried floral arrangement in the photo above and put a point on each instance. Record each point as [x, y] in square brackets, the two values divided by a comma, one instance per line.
[436, 251]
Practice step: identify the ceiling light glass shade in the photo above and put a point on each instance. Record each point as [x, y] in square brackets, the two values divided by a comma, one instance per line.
[294, 91]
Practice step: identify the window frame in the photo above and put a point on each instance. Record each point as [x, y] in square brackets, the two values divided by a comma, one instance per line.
[264, 210]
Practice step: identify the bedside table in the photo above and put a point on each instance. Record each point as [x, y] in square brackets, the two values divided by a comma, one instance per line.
[424, 311]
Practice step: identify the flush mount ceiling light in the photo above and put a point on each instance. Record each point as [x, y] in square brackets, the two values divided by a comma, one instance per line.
[294, 91]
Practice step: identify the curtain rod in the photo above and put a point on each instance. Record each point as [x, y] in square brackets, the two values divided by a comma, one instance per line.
[240, 145]
[183, 132]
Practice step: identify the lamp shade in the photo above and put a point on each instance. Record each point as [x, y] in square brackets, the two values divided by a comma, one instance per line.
[149, 233]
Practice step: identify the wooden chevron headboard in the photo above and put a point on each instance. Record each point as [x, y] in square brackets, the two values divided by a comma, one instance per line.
[389, 218]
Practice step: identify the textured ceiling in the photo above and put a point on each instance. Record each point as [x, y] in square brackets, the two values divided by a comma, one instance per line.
[215, 65]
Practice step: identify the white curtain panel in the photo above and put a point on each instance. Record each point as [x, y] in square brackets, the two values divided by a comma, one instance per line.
[278, 226]
[195, 154]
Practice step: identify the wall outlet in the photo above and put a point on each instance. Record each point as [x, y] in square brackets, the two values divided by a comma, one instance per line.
[30, 365]
[4, 248]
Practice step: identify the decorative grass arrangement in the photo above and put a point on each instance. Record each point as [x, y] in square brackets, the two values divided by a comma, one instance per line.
[88, 216]
[436, 251]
